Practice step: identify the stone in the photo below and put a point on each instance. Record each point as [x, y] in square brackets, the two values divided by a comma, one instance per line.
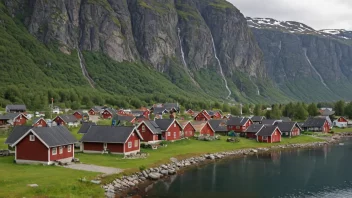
[164, 172]
[33, 185]
[174, 160]
[154, 176]
[254, 151]
[187, 164]
[143, 178]
[95, 181]
[117, 186]
[172, 171]
[163, 166]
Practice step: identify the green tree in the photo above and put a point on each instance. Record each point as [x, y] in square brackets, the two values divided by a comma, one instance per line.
[313, 109]
[245, 109]
[300, 112]
[348, 110]
[217, 105]
[275, 112]
[75, 105]
[339, 108]
[235, 111]
[257, 110]
[226, 108]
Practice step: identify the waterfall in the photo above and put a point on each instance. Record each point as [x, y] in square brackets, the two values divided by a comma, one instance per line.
[220, 67]
[183, 58]
[258, 91]
[84, 70]
[315, 70]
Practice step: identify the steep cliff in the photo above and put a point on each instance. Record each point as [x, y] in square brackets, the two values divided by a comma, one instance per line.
[306, 64]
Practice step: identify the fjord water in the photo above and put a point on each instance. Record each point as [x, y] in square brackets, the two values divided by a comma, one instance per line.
[320, 172]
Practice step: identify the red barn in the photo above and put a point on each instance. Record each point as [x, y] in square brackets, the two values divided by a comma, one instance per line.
[14, 119]
[44, 145]
[149, 130]
[170, 128]
[40, 122]
[289, 129]
[202, 116]
[111, 139]
[269, 134]
[188, 129]
[341, 122]
[238, 124]
[204, 128]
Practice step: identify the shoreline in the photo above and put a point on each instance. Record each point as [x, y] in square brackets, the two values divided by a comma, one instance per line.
[137, 183]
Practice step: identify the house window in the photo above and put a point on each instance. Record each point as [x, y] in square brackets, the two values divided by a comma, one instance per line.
[237, 127]
[31, 138]
[168, 134]
[174, 134]
[143, 128]
[60, 150]
[69, 148]
[54, 151]
[286, 133]
[136, 143]
[265, 138]
[105, 145]
[174, 124]
[129, 144]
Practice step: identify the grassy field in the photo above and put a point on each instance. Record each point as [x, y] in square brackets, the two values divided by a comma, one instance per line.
[2, 145]
[74, 131]
[53, 181]
[181, 149]
[340, 130]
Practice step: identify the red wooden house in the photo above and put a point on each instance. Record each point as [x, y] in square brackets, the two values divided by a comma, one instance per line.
[108, 113]
[170, 128]
[219, 126]
[289, 129]
[317, 124]
[252, 130]
[113, 139]
[190, 112]
[40, 122]
[149, 130]
[238, 124]
[67, 120]
[188, 128]
[269, 134]
[80, 115]
[14, 119]
[215, 114]
[95, 110]
[44, 145]
[202, 116]
[204, 128]
[121, 112]
[341, 122]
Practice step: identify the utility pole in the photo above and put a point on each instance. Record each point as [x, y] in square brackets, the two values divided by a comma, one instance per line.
[52, 108]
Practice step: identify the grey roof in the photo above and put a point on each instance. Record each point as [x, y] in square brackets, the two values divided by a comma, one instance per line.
[285, 119]
[254, 128]
[267, 130]
[68, 118]
[155, 129]
[159, 110]
[314, 122]
[269, 121]
[137, 112]
[327, 112]
[164, 123]
[257, 118]
[218, 125]
[9, 116]
[85, 126]
[97, 108]
[111, 110]
[16, 107]
[108, 134]
[237, 121]
[16, 133]
[287, 126]
[170, 106]
[123, 118]
[53, 136]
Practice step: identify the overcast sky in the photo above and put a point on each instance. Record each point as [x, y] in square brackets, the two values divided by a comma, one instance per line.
[319, 14]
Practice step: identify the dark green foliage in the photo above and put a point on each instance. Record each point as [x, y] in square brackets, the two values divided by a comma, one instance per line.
[313, 109]
[339, 108]
[257, 110]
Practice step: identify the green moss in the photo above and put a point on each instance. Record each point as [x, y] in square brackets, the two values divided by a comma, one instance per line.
[159, 8]
[221, 4]
[104, 3]
[187, 12]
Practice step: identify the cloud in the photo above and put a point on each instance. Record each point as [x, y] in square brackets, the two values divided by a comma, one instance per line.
[327, 14]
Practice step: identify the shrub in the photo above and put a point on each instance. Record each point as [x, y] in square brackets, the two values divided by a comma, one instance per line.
[142, 168]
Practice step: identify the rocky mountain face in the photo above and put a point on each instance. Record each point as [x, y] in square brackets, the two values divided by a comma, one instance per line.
[306, 64]
[159, 33]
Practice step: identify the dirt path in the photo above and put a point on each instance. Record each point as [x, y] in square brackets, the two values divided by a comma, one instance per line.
[94, 168]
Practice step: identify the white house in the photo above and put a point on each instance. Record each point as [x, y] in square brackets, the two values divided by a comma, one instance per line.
[341, 122]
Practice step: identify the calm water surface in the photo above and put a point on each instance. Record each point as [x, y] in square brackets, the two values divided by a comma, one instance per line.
[317, 173]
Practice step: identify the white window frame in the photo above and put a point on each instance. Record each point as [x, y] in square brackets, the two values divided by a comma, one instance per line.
[143, 128]
[105, 145]
[61, 150]
[286, 133]
[174, 124]
[265, 137]
[129, 145]
[52, 151]
[238, 127]
[31, 138]
[174, 134]
[136, 143]
[69, 148]
[168, 134]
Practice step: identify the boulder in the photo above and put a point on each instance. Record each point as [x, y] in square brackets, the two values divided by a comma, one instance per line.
[143, 178]
[33, 185]
[154, 176]
[163, 166]
[174, 160]
[164, 172]
[95, 181]
[172, 171]
[254, 151]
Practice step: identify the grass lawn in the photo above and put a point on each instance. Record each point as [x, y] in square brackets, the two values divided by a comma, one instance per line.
[340, 130]
[53, 181]
[104, 122]
[74, 131]
[181, 149]
[2, 141]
